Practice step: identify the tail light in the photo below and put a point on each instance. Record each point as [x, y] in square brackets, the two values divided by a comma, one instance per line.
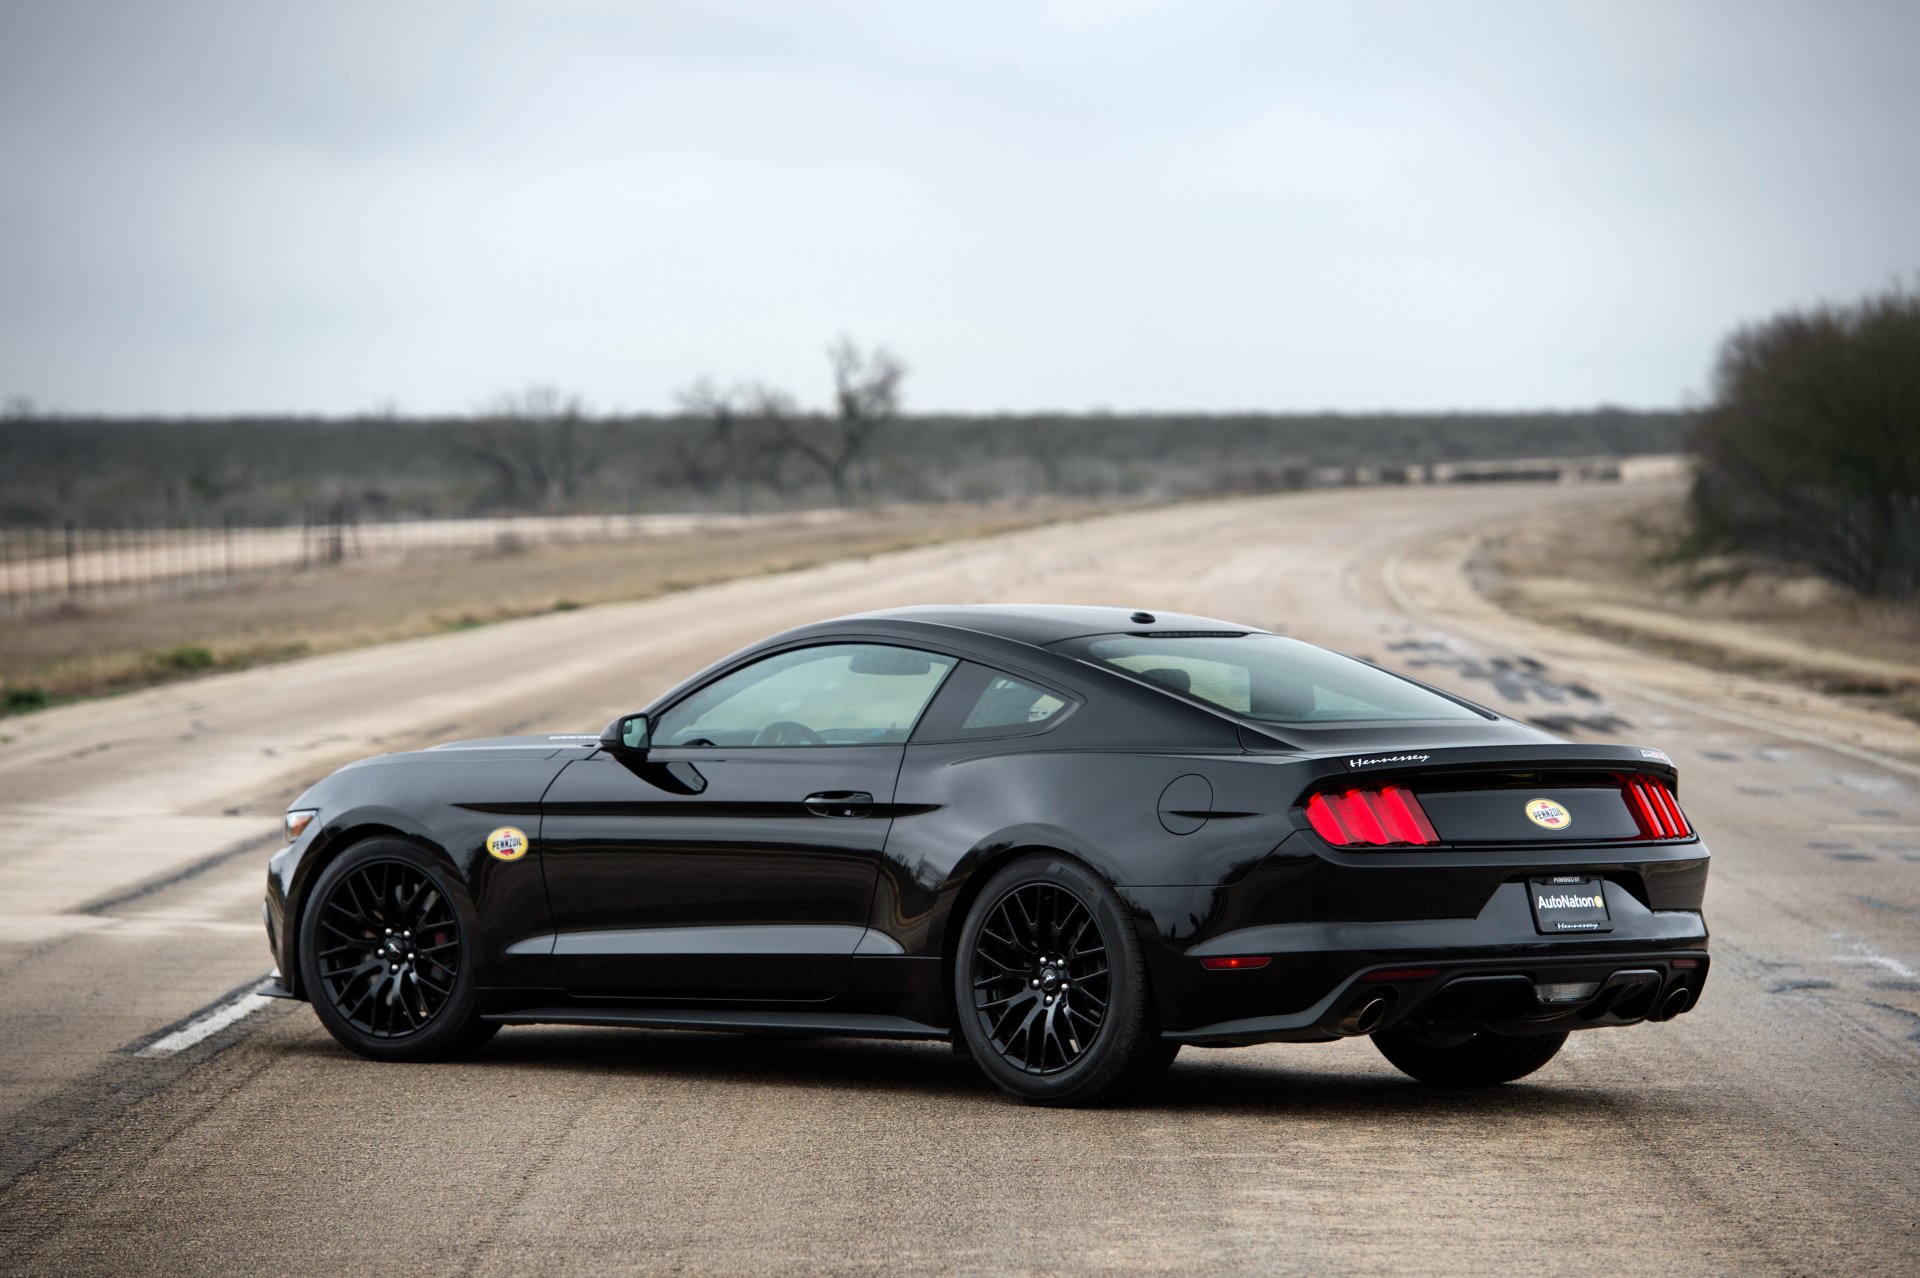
[1380, 817]
[1655, 809]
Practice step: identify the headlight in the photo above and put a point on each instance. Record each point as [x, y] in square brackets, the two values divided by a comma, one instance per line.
[298, 820]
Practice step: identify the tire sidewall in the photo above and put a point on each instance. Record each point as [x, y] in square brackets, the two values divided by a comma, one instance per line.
[453, 1026]
[1124, 961]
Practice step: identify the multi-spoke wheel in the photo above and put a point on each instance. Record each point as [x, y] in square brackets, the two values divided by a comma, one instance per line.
[385, 955]
[1041, 983]
[393, 952]
[1051, 987]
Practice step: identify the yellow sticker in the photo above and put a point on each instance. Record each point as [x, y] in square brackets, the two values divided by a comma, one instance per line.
[1549, 814]
[508, 843]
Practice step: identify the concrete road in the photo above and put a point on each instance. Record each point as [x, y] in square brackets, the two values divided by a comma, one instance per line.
[1771, 1131]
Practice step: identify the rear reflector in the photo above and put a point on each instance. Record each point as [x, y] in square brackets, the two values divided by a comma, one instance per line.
[1240, 963]
[1379, 817]
[1655, 809]
[1686, 962]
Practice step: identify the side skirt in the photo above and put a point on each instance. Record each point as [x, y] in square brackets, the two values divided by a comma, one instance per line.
[825, 1024]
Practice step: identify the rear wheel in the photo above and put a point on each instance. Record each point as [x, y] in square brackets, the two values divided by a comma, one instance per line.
[1050, 983]
[386, 955]
[1468, 1058]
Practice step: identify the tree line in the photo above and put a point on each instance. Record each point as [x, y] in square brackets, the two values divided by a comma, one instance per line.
[539, 447]
[1809, 454]
[732, 445]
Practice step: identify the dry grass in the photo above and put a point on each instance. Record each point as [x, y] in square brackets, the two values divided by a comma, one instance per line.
[1600, 573]
[80, 652]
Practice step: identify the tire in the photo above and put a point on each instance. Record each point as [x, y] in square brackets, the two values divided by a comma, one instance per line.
[377, 989]
[1080, 1031]
[1480, 1059]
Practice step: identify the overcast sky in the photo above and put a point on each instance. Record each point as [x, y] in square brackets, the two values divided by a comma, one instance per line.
[324, 207]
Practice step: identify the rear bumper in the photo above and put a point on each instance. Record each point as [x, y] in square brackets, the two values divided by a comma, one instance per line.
[1541, 995]
[1306, 973]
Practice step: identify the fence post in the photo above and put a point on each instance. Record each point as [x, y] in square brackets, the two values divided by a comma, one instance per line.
[69, 559]
[335, 546]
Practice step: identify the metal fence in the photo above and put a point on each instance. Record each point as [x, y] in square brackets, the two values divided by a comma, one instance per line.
[48, 568]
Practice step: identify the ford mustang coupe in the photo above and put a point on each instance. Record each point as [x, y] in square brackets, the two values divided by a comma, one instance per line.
[1068, 840]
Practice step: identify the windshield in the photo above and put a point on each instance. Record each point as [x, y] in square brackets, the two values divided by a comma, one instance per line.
[1267, 677]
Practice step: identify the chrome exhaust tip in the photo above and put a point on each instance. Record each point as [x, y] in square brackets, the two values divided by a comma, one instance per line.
[1365, 1016]
[1675, 1003]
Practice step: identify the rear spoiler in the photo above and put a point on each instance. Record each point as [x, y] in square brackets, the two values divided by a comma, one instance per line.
[1415, 761]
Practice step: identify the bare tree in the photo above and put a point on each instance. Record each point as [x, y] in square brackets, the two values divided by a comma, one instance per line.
[711, 457]
[534, 443]
[771, 418]
[744, 438]
[866, 394]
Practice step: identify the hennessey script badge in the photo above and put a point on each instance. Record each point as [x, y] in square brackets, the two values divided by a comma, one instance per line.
[1386, 758]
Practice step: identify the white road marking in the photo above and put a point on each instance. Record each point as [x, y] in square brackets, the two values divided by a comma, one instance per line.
[203, 1027]
[1864, 957]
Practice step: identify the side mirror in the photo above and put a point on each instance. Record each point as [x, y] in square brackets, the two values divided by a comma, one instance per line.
[626, 735]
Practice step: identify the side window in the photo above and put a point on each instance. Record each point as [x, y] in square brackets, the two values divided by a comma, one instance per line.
[834, 694]
[982, 702]
[1007, 702]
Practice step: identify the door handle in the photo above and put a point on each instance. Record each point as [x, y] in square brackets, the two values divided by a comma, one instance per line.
[839, 803]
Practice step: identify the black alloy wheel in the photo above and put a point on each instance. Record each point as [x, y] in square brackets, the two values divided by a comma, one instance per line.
[1050, 987]
[1041, 980]
[386, 955]
[394, 951]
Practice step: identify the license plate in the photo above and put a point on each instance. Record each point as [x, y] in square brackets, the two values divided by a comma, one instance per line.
[1570, 903]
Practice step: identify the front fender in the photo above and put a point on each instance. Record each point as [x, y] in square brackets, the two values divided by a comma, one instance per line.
[449, 810]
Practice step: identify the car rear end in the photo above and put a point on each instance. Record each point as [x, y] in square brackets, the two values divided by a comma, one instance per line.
[1527, 889]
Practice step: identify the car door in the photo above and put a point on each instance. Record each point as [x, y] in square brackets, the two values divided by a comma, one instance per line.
[738, 858]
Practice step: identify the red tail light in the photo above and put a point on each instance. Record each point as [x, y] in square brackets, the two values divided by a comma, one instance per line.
[1380, 817]
[1655, 809]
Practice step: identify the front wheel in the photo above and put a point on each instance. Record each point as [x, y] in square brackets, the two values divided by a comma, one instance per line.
[1050, 986]
[387, 955]
[1467, 1059]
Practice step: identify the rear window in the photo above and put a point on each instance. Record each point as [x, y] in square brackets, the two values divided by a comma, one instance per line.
[1268, 678]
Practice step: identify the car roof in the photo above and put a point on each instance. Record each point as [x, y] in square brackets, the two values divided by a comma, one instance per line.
[1042, 624]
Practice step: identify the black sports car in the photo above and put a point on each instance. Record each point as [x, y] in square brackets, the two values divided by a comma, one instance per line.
[1067, 839]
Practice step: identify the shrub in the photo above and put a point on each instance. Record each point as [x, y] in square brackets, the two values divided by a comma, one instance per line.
[1809, 455]
[185, 658]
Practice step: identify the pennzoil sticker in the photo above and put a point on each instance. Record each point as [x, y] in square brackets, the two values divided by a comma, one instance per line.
[1547, 813]
[508, 843]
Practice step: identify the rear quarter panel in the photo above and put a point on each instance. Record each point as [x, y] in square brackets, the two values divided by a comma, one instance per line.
[982, 803]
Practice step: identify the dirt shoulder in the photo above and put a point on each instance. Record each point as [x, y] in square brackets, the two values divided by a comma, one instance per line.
[1596, 570]
[87, 651]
